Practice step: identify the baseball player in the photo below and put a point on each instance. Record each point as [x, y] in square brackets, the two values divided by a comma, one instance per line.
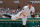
[26, 12]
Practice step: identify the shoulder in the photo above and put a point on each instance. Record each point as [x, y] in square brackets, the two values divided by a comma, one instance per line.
[25, 6]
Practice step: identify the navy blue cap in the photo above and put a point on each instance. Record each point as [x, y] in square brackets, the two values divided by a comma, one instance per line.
[30, 2]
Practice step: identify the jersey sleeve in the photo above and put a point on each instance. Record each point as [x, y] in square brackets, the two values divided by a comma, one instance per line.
[23, 9]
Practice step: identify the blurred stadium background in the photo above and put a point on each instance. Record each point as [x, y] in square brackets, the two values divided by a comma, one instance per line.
[13, 7]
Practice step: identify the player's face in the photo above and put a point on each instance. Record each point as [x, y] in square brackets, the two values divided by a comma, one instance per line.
[30, 4]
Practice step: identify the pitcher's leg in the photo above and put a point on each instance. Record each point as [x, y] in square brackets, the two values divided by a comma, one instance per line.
[24, 21]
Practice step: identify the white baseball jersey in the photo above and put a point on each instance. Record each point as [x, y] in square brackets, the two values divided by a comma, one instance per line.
[27, 11]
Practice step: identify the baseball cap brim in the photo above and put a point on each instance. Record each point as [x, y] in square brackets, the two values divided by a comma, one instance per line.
[30, 2]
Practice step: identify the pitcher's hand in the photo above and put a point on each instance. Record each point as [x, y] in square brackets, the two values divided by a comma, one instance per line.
[17, 17]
